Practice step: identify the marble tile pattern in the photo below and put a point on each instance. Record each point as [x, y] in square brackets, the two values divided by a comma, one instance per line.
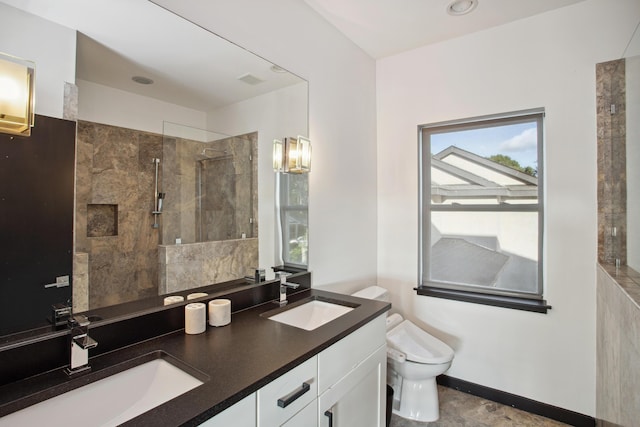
[70, 107]
[189, 266]
[80, 295]
[458, 409]
[612, 176]
[618, 346]
[114, 167]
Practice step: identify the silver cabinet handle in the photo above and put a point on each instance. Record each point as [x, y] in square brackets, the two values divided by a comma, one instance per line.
[287, 400]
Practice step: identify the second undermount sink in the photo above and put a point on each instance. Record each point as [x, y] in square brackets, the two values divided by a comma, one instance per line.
[312, 314]
[110, 401]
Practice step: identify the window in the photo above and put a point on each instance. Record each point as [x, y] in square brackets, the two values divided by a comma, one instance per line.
[481, 216]
[293, 212]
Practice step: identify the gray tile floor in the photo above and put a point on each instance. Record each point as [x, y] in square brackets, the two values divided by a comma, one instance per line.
[461, 409]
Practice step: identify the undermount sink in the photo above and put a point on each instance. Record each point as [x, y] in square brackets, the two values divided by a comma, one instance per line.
[110, 401]
[312, 314]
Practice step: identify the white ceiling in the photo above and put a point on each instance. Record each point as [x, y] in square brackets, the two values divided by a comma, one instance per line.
[196, 69]
[386, 27]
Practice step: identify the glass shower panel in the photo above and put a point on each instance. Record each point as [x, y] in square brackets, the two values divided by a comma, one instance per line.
[209, 181]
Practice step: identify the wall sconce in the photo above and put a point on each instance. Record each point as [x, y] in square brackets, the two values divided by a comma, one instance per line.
[16, 95]
[292, 156]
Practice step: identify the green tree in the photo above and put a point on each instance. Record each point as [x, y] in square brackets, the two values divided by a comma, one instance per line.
[512, 163]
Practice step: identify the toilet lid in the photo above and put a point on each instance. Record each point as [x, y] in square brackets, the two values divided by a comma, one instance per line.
[418, 345]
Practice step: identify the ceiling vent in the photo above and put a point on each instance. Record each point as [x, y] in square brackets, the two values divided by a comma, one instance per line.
[250, 79]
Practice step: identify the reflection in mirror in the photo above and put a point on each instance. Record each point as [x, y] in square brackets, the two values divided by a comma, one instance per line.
[122, 123]
[209, 220]
[293, 218]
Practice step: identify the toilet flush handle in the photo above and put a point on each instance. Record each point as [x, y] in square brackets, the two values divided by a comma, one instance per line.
[396, 355]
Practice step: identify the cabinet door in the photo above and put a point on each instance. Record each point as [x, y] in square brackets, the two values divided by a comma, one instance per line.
[242, 414]
[358, 399]
[345, 355]
[308, 417]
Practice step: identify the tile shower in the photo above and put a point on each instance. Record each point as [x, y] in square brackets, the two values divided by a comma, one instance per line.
[120, 257]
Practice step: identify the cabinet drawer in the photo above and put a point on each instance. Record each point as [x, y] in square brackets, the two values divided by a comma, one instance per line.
[345, 355]
[285, 396]
[242, 414]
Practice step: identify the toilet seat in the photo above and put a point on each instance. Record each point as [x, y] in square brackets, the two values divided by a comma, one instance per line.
[418, 345]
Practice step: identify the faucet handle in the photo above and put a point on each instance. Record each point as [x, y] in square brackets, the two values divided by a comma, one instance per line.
[282, 275]
[79, 320]
[85, 341]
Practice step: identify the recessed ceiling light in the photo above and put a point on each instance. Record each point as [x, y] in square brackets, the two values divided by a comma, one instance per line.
[461, 7]
[142, 80]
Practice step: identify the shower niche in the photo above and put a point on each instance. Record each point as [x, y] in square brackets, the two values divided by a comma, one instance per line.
[102, 220]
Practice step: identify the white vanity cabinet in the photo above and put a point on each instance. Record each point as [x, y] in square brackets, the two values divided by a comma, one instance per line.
[242, 414]
[342, 386]
[352, 379]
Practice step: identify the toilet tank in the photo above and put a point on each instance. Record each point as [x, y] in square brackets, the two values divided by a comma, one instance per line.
[373, 292]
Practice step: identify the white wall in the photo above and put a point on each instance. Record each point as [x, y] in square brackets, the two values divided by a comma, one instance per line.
[106, 105]
[341, 79]
[51, 46]
[274, 115]
[544, 61]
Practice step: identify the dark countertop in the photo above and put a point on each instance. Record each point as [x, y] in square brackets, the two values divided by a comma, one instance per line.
[238, 359]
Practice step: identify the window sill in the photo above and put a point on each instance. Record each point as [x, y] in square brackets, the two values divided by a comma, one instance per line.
[537, 306]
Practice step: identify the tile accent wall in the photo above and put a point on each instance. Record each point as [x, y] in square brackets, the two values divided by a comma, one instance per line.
[612, 175]
[618, 347]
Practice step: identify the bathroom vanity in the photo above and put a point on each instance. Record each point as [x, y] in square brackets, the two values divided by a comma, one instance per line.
[255, 371]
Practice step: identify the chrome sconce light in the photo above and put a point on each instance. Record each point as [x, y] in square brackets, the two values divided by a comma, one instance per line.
[293, 155]
[16, 95]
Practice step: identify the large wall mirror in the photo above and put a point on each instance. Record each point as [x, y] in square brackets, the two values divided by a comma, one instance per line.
[175, 186]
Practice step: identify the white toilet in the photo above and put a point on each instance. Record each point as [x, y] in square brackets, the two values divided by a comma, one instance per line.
[414, 359]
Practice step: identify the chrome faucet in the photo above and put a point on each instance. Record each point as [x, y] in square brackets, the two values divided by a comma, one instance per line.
[80, 343]
[283, 287]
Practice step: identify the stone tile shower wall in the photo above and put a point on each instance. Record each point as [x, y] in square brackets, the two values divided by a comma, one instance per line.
[188, 266]
[618, 347]
[114, 200]
[612, 176]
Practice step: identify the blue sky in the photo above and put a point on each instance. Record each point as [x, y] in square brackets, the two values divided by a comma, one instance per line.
[517, 141]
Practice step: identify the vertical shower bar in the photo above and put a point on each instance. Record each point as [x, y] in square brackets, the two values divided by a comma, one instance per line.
[156, 209]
